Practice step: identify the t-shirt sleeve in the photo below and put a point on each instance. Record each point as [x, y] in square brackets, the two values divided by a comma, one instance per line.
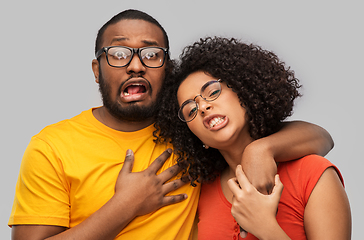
[42, 192]
[312, 168]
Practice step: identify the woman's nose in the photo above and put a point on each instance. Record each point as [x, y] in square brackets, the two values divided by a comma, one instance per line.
[204, 105]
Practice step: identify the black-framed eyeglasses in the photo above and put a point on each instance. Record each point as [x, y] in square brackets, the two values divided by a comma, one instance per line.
[210, 91]
[120, 56]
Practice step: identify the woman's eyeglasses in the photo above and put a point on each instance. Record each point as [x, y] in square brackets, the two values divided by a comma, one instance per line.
[210, 91]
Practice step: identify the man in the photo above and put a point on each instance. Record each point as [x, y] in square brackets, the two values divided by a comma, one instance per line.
[95, 142]
[70, 184]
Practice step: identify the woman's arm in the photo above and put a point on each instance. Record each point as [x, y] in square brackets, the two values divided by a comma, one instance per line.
[327, 213]
[295, 140]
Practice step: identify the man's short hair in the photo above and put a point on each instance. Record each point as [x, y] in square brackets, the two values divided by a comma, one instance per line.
[129, 14]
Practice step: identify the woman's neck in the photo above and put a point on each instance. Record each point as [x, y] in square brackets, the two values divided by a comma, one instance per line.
[233, 158]
[233, 154]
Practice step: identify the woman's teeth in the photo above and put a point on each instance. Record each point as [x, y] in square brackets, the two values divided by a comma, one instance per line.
[216, 121]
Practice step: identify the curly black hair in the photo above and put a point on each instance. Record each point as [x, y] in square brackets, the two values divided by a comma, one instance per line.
[265, 87]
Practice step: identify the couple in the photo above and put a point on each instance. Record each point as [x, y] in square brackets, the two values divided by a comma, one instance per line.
[74, 184]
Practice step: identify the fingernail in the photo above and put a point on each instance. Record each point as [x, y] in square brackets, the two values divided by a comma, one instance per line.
[129, 152]
[169, 150]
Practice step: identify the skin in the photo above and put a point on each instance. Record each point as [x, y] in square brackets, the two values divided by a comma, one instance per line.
[253, 210]
[135, 34]
[145, 190]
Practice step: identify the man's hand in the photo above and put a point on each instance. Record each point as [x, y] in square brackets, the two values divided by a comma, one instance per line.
[146, 189]
[259, 167]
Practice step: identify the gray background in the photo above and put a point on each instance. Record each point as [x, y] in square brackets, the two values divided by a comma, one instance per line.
[47, 48]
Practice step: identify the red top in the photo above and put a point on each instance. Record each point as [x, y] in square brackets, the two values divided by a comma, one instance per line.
[299, 178]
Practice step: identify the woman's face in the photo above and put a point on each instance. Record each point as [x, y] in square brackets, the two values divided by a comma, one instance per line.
[219, 123]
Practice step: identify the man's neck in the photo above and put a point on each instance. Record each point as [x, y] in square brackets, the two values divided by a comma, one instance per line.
[102, 115]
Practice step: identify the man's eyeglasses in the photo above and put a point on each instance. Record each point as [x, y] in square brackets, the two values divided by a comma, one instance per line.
[120, 56]
[210, 91]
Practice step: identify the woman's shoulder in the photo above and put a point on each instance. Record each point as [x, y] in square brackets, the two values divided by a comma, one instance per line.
[306, 171]
[307, 163]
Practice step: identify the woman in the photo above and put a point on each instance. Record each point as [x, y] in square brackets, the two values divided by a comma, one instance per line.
[230, 95]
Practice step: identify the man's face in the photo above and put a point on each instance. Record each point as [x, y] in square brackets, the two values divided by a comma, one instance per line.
[131, 93]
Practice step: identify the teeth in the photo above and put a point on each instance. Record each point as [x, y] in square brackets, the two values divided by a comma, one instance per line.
[216, 121]
[126, 93]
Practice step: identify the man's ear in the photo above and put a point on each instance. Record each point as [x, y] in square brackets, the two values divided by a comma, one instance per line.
[96, 69]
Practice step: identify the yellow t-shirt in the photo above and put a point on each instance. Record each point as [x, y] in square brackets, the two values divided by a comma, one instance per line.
[69, 171]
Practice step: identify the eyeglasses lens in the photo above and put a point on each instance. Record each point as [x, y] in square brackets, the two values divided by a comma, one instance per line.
[188, 110]
[210, 91]
[151, 56]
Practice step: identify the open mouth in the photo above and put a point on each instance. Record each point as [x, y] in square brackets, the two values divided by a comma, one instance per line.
[136, 88]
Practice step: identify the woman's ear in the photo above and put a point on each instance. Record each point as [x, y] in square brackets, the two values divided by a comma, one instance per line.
[96, 69]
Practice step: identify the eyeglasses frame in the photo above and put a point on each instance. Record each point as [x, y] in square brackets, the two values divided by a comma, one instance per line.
[134, 51]
[189, 100]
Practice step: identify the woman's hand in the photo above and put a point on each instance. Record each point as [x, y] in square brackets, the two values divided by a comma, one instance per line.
[255, 212]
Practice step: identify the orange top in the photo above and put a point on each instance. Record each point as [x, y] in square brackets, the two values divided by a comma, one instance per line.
[299, 178]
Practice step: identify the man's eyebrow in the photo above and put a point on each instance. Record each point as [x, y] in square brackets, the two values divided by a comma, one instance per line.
[119, 39]
[146, 42]
[150, 43]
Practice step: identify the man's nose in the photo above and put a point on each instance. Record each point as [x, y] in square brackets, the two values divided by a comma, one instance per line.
[135, 65]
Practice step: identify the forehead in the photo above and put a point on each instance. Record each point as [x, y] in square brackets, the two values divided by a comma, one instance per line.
[133, 33]
[191, 86]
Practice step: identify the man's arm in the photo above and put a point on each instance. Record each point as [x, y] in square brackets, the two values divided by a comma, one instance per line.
[296, 139]
[136, 194]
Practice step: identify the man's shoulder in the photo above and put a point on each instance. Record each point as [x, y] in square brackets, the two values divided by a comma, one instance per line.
[65, 126]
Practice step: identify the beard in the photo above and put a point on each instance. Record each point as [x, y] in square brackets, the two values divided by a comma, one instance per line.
[130, 113]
